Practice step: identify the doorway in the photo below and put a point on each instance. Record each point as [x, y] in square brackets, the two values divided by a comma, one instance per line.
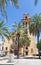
[26, 50]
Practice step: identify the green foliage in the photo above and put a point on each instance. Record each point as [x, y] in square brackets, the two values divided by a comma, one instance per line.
[36, 2]
[39, 45]
[4, 3]
[23, 39]
[4, 30]
[35, 24]
[16, 27]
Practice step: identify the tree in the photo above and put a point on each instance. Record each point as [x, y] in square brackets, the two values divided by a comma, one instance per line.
[16, 28]
[35, 26]
[22, 38]
[39, 47]
[4, 3]
[25, 40]
[36, 2]
[3, 30]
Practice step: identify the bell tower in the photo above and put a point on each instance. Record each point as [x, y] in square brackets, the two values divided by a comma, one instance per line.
[25, 20]
[32, 48]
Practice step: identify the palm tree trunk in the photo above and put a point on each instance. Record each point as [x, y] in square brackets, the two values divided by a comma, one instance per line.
[37, 36]
[38, 41]
[18, 49]
[2, 38]
[36, 2]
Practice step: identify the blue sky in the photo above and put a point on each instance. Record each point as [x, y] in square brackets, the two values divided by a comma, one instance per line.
[26, 6]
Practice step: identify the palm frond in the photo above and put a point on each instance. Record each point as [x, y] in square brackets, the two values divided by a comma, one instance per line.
[36, 2]
[3, 4]
[3, 30]
[23, 39]
[2, 24]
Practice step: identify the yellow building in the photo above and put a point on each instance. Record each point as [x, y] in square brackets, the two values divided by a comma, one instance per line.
[25, 50]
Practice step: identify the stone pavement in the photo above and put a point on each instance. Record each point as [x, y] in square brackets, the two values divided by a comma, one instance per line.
[23, 62]
[29, 60]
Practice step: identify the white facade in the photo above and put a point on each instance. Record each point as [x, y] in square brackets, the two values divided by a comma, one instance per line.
[1, 47]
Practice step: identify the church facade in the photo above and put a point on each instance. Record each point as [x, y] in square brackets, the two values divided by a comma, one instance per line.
[25, 50]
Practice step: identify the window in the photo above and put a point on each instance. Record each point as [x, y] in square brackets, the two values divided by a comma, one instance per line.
[26, 24]
[23, 23]
[13, 39]
[2, 48]
[25, 17]
[6, 48]
[26, 47]
[16, 38]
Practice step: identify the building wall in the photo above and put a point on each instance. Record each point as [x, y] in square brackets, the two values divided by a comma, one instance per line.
[31, 49]
[1, 47]
[7, 45]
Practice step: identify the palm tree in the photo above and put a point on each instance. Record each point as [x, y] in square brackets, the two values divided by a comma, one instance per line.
[3, 30]
[35, 26]
[4, 33]
[16, 28]
[36, 2]
[3, 4]
[39, 47]
[22, 37]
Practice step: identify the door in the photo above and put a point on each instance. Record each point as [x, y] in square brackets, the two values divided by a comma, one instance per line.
[26, 50]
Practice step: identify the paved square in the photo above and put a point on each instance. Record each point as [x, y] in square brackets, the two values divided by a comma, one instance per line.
[23, 62]
[28, 62]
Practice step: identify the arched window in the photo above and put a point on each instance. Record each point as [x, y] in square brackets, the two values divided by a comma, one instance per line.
[26, 24]
[26, 47]
[25, 17]
[6, 48]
